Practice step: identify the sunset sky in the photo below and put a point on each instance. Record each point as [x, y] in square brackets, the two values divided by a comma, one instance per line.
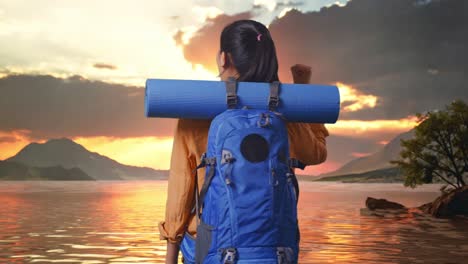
[77, 69]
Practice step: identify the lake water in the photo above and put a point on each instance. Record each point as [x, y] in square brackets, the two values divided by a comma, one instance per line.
[116, 222]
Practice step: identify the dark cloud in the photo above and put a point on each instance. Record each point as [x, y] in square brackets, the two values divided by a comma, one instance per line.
[258, 7]
[409, 53]
[205, 43]
[104, 66]
[52, 107]
[282, 5]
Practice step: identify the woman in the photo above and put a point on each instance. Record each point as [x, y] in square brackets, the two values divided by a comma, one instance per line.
[248, 53]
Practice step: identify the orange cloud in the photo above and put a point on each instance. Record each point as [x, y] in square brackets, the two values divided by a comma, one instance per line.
[13, 141]
[362, 128]
[359, 154]
[104, 66]
[353, 100]
[383, 142]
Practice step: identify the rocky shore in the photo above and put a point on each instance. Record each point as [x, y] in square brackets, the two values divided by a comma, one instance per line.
[450, 204]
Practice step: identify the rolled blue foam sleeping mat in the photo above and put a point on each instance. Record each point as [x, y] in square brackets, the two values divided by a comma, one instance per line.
[197, 99]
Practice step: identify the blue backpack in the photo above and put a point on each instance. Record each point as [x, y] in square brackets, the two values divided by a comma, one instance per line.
[247, 207]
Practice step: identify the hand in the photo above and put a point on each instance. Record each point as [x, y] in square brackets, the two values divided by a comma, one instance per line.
[301, 73]
[172, 253]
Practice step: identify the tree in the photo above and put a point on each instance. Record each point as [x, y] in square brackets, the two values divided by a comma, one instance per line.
[439, 148]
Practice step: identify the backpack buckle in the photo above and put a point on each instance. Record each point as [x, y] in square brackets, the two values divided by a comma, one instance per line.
[227, 157]
[229, 256]
[202, 163]
[264, 120]
[210, 161]
[280, 256]
[273, 103]
[231, 101]
[284, 255]
[289, 176]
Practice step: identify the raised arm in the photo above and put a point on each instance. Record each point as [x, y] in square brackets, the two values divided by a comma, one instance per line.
[307, 140]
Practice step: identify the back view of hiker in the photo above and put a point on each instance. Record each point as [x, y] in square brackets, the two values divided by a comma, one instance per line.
[247, 54]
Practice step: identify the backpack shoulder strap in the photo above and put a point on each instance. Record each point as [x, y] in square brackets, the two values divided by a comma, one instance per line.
[211, 162]
[200, 196]
[295, 163]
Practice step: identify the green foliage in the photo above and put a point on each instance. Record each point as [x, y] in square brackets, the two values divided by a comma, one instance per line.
[439, 148]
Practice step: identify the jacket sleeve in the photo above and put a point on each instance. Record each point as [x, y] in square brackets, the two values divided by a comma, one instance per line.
[307, 142]
[180, 189]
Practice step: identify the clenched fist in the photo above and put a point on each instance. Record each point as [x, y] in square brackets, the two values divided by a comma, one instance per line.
[301, 73]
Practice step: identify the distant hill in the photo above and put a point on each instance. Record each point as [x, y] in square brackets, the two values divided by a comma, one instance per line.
[375, 161]
[69, 154]
[387, 175]
[10, 170]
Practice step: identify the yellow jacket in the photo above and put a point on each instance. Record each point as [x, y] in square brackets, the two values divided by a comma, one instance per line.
[307, 143]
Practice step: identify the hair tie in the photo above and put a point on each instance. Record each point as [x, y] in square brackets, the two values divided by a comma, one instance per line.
[258, 36]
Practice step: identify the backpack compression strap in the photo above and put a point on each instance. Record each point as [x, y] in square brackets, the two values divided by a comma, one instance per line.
[231, 92]
[273, 100]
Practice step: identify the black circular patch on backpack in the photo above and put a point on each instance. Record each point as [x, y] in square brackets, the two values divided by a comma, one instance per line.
[254, 148]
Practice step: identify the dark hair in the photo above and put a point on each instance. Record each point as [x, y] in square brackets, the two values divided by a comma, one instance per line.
[253, 56]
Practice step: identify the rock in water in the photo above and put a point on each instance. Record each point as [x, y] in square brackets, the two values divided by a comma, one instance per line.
[373, 204]
[450, 204]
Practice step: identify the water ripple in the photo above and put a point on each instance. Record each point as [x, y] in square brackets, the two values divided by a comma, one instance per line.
[116, 222]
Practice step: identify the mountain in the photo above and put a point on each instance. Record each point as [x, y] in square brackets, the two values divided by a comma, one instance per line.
[10, 170]
[69, 154]
[388, 175]
[375, 161]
